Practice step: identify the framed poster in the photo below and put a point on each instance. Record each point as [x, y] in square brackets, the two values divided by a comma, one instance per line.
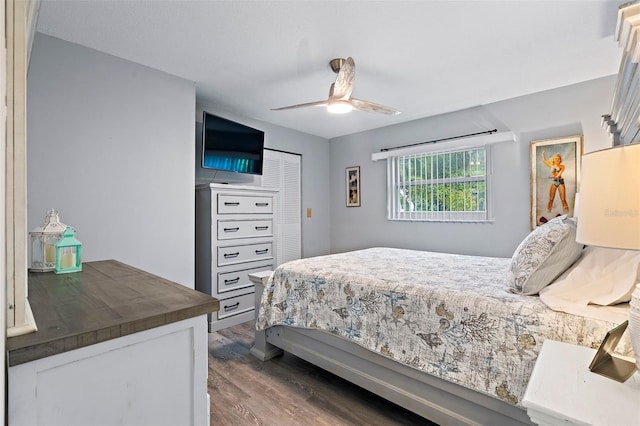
[555, 176]
[353, 186]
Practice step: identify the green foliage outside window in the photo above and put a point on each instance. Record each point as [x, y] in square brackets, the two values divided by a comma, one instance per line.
[451, 181]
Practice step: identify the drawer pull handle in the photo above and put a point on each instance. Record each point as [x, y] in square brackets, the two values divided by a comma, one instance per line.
[232, 307]
[228, 203]
[231, 229]
[262, 204]
[261, 228]
[262, 251]
[233, 281]
[230, 255]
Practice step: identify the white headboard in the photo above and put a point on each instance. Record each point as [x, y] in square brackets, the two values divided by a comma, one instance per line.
[623, 121]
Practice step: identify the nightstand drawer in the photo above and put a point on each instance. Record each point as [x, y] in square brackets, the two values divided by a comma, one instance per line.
[231, 255]
[232, 229]
[236, 305]
[233, 280]
[230, 204]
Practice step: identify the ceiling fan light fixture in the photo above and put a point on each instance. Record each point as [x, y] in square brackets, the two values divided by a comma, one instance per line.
[339, 107]
[340, 100]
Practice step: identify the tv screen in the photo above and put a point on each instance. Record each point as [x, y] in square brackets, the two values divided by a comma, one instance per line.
[231, 146]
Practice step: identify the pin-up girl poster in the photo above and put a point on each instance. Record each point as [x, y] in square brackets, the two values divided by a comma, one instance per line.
[555, 174]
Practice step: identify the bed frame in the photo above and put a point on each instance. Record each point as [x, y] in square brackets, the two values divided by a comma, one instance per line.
[442, 402]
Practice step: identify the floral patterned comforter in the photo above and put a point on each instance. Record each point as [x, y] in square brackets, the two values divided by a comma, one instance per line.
[445, 314]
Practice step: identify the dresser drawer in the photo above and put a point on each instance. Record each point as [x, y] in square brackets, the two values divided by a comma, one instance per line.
[230, 204]
[233, 280]
[230, 255]
[236, 305]
[232, 229]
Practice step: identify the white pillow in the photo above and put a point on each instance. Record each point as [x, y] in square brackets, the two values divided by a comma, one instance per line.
[543, 255]
[603, 276]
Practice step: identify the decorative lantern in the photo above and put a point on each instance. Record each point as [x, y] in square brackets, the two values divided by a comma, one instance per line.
[43, 242]
[68, 253]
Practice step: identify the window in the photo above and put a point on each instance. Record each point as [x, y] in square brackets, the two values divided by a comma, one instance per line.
[450, 185]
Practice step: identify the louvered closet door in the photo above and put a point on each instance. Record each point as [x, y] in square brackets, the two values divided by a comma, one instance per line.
[281, 170]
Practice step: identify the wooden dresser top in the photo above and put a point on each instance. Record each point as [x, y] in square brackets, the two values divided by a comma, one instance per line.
[107, 300]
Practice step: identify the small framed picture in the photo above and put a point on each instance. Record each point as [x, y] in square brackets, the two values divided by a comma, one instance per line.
[555, 176]
[353, 186]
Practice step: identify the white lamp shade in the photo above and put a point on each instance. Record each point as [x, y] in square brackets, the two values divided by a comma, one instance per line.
[610, 198]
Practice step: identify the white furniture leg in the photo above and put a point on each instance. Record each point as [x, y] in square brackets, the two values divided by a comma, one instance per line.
[261, 348]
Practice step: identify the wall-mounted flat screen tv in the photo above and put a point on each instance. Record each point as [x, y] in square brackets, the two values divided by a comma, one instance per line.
[231, 146]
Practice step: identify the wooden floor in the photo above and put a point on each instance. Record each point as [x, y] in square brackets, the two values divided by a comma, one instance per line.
[286, 390]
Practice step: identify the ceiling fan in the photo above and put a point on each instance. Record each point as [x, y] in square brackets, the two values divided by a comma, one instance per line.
[340, 100]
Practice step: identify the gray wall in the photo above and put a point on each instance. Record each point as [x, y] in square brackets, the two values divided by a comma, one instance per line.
[315, 174]
[560, 112]
[120, 140]
[110, 145]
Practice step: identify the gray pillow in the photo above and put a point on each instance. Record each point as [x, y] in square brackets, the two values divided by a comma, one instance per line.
[543, 255]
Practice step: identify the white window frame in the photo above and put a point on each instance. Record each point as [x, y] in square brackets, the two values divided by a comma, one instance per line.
[458, 143]
[395, 186]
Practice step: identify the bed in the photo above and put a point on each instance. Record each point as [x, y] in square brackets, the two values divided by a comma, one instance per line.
[451, 337]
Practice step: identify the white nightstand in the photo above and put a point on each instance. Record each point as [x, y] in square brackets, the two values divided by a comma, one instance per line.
[563, 391]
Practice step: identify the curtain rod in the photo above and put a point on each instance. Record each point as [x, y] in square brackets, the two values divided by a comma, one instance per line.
[486, 132]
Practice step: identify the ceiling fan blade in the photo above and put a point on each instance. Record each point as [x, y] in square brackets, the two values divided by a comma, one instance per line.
[308, 104]
[372, 107]
[340, 99]
[344, 80]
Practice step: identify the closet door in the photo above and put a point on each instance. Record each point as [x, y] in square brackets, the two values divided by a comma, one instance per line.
[281, 170]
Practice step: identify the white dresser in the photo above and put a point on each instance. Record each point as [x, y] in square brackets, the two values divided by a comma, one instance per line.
[235, 237]
[116, 346]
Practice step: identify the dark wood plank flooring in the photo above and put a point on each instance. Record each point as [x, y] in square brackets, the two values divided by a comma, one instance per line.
[287, 390]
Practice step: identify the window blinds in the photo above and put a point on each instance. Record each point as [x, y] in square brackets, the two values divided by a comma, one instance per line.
[448, 185]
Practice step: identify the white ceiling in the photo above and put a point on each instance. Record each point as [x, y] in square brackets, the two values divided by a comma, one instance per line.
[421, 57]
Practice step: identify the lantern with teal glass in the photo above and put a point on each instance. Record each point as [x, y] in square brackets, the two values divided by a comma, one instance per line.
[68, 253]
